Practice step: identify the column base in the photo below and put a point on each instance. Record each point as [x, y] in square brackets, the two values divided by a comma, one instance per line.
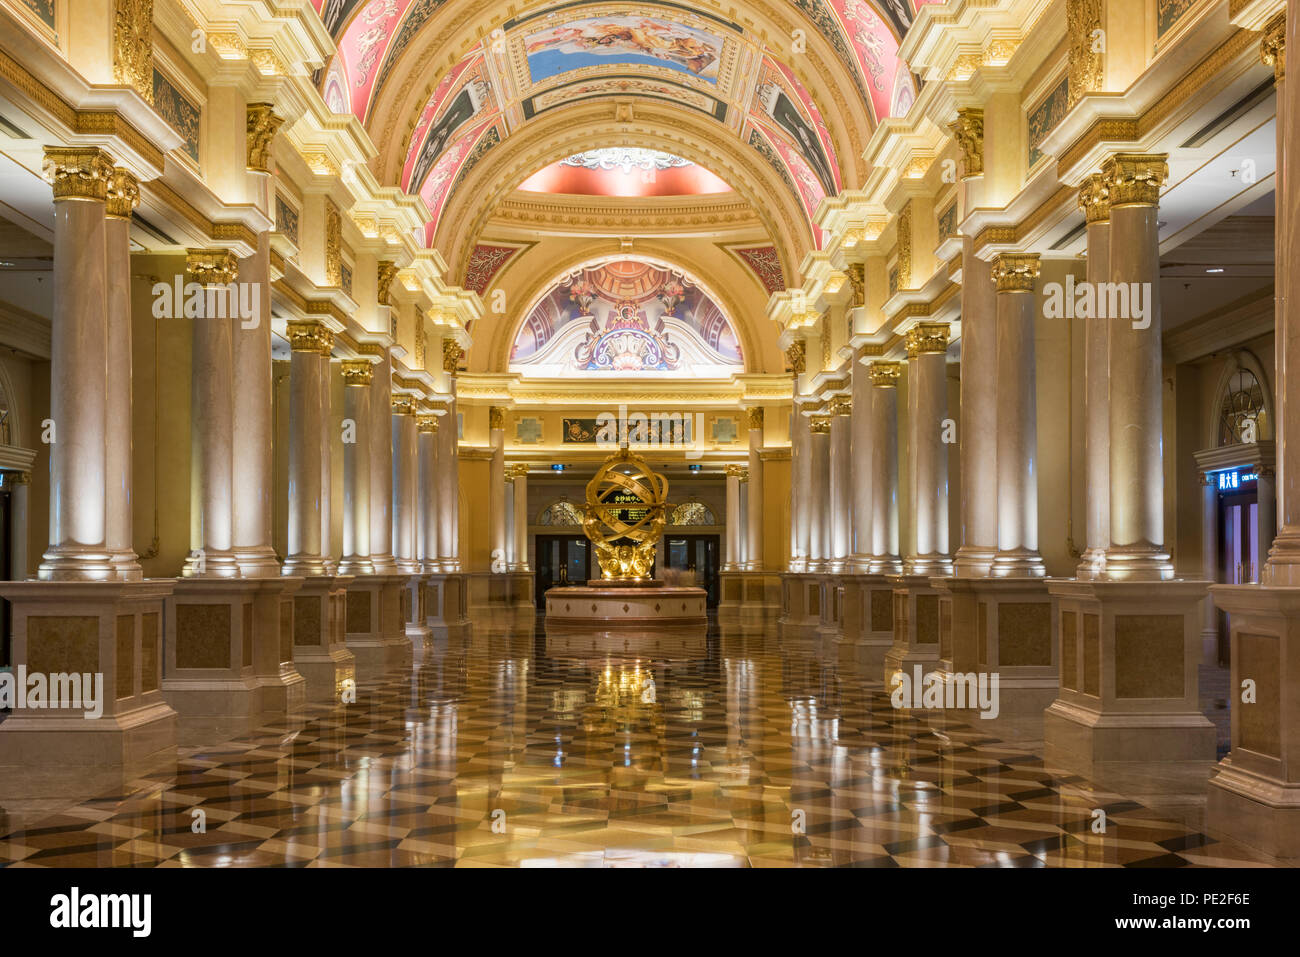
[76, 563]
[374, 626]
[281, 687]
[126, 565]
[801, 603]
[749, 597]
[108, 629]
[1252, 809]
[508, 594]
[867, 621]
[1128, 653]
[1018, 563]
[916, 627]
[973, 561]
[212, 564]
[446, 606]
[209, 649]
[258, 562]
[320, 651]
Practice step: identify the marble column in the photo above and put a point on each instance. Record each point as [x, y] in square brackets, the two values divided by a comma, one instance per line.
[819, 487]
[978, 440]
[123, 197]
[326, 469]
[78, 548]
[212, 436]
[358, 375]
[520, 474]
[800, 489]
[19, 484]
[1095, 202]
[1136, 550]
[755, 511]
[927, 399]
[733, 517]
[428, 483]
[1210, 563]
[449, 469]
[860, 444]
[497, 488]
[405, 469]
[1266, 518]
[381, 465]
[884, 468]
[1017, 419]
[841, 480]
[742, 537]
[253, 420]
[308, 340]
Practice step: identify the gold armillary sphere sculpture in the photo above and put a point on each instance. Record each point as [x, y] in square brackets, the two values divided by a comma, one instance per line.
[626, 505]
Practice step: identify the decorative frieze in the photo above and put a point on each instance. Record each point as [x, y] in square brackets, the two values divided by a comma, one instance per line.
[133, 46]
[1086, 68]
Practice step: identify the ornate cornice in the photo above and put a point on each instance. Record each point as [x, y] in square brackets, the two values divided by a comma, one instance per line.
[968, 131]
[1015, 272]
[1094, 199]
[927, 338]
[1134, 179]
[77, 172]
[211, 267]
[123, 194]
[358, 372]
[885, 374]
[307, 335]
[261, 126]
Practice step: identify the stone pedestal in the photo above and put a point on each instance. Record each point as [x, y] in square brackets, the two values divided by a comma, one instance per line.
[209, 649]
[916, 626]
[113, 629]
[320, 650]
[830, 623]
[1128, 653]
[446, 605]
[601, 606]
[415, 617]
[801, 604]
[1002, 626]
[375, 628]
[866, 621]
[750, 597]
[281, 687]
[1254, 795]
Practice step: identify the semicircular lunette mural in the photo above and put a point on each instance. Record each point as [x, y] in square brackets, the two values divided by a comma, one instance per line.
[626, 317]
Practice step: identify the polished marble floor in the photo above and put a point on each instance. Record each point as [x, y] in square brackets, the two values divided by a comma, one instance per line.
[515, 749]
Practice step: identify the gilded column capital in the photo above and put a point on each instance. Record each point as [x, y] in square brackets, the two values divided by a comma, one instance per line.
[261, 126]
[358, 372]
[841, 405]
[77, 172]
[427, 423]
[737, 472]
[123, 194]
[386, 272]
[795, 356]
[1015, 272]
[968, 131]
[496, 417]
[403, 405]
[133, 46]
[308, 335]
[451, 355]
[516, 471]
[885, 374]
[1094, 199]
[927, 338]
[1134, 179]
[211, 267]
[819, 424]
[18, 478]
[756, 417]
[1272, 46]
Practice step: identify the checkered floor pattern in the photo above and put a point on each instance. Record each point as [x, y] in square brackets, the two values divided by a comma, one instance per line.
[514, 749]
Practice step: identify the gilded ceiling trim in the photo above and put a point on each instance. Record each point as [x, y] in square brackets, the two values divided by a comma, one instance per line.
[218, 232]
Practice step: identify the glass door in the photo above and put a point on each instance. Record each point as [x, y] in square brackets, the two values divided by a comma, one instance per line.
[693, 553]
[561, 560]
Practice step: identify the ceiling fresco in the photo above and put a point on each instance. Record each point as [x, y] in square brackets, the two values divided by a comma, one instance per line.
[626, 317]
[583, 49]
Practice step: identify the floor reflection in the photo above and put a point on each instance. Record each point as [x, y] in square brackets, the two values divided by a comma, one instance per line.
[518, 748]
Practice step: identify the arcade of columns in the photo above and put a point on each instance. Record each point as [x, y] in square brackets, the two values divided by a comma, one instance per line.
[1110, 652]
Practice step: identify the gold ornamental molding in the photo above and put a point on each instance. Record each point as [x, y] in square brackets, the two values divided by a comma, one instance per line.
[1085, 73]
[857, 273]
[885, 374]
[1272, 46]
[905, 246]
[333, 245]
[927, 338]
[796, 356]
[1015, 272]
[1094, 199]
[77, 173]
[756, 417]
[358, 372]
[968, 131]
[262, 124]
[403, 405]
[819, 424]
[133, 46]
[1134, 179]
[427, 423]
[1013, 235]
[496, 418]
[730, 213]
[211, 267]
[312, 307]
[123, 194]
[386, 271]
[308, 335]
[841, 405]
[451, 356]
[217, 232]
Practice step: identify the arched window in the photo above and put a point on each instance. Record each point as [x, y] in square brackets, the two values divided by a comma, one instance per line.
[692, 513]
[1242, 414]
[560, 513]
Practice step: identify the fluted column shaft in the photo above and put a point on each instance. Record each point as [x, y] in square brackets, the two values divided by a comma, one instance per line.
[19, 485]
[326, 467]
[978, 439]
[252, 461]
[307, 340]
[1017, 419]
[428, 491]
[841, 496]
[405, 469]
[521, 518]
[884, 467]
[497, 489]
[123, 195]
[1095, 201]
[754, 501]
[1136, 549]
[861, 478]
[78, 369]
[357, 386]
[927, 398]
[449, 488]
[733, 517]
[800, 488]
[381, 466]
[819, 488]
